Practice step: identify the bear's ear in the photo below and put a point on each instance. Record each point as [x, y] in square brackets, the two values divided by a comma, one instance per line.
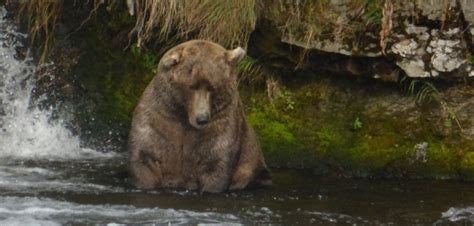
[235, 55]
[169, 61]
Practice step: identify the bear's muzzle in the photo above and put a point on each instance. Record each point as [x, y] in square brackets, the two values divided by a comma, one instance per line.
[200, 110]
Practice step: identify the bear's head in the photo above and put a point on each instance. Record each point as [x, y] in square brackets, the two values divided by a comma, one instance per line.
[202, 78]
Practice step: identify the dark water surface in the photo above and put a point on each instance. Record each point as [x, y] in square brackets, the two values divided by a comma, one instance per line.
[97, 191]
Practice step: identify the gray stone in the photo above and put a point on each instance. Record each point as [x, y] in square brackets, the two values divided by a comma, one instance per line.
[467, 7]
[413, 68]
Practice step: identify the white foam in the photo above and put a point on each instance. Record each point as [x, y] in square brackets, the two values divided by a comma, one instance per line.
[27, 221]
[14, 210]
[27, 187]
[26, 131]
[336, 218]
[32, 180]
[459, 214]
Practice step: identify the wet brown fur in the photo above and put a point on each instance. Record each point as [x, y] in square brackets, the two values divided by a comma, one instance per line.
[167, 150]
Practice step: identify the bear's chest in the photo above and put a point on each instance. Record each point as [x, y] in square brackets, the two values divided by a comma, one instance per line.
[192, 152]
[200, 145]
[204, 147]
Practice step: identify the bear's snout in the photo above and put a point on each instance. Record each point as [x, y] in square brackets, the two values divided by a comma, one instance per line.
[202, 120]
[199, 111]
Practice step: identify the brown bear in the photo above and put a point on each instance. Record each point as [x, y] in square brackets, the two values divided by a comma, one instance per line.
[189, 129]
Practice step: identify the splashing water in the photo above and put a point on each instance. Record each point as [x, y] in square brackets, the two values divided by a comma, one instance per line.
[459, 214]
[13, 210]
[25, 130]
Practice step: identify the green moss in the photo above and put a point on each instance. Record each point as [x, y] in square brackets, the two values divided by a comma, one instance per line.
[329, 140]
[373, 153]
[467, 164]
[112, 76]
[281, 145]
[311, 124]
[441, 160]
[469, 58]
[272, 130]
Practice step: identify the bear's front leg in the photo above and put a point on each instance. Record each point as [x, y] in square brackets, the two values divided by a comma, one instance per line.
[147, 172]
[214, 176]
[251, 168]
[241, 178]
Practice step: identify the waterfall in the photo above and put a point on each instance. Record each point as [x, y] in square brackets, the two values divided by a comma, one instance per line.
[25, 130]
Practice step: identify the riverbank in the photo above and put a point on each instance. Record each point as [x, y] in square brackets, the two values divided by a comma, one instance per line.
[344, 115]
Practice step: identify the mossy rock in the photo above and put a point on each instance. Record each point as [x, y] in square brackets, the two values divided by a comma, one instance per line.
[392, 139]
[113, 77]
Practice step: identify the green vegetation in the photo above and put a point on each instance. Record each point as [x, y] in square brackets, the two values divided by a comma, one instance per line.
[425, 92]
[157, 20]
[357, 125]
[229, 23]
[41, 17]
[373, 11]
[469, 58]
[421, 91]
[226, 22]
[325, 132]
[112, 77]
[250, 70]
[330, 126]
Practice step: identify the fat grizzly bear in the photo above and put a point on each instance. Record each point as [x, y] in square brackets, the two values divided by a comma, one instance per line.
[189, 129]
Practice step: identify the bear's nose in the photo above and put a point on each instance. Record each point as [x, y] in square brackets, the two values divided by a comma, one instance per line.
[202, 120]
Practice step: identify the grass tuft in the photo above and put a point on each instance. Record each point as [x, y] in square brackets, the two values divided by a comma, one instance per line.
[226, 22]
[41, 17]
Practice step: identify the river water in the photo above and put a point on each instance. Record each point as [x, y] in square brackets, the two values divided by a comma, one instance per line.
[47, 178]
